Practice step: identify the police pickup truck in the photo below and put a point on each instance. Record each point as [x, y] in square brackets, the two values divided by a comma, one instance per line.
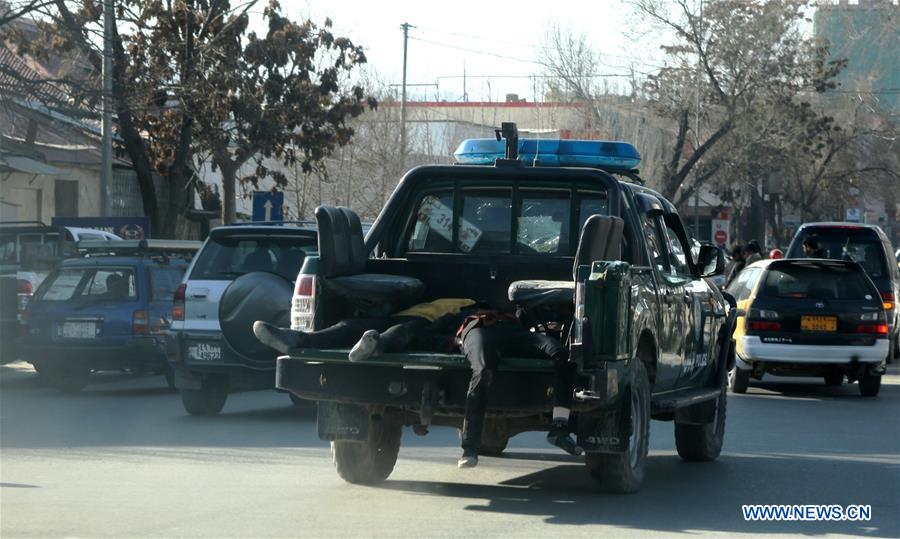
[649, 334]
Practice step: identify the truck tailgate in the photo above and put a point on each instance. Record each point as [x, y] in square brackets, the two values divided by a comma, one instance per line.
[408, 380]
[412, 360]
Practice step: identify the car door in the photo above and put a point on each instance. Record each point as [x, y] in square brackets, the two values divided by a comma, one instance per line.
[670, 313]
[741, 288]
[684, 298]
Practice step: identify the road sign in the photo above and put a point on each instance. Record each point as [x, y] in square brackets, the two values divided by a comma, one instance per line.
[268, 206]
[720, 231]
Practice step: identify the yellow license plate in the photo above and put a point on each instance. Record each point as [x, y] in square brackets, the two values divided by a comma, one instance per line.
[818, 323]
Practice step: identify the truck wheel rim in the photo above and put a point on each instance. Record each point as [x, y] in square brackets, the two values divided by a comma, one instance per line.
[637, 429]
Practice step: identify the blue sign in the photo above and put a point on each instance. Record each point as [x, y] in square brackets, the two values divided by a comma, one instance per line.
[127, 228]
[268, 206]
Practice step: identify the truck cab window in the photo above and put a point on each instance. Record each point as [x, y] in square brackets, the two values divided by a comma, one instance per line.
[543, 225]
[433, 230]
[654, 244]
[677, 255]
[485, 227]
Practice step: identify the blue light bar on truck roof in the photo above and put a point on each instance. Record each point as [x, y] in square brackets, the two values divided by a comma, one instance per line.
[553, 152]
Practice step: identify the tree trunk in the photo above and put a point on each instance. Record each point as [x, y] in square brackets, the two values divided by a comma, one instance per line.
[229, 212]
[676, 176]
[134, 142]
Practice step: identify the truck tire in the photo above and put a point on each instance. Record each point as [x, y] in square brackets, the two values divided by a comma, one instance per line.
[494, 439]
[493, 449]
[623, 473]
[208, 400]
[703, 443]
[371, 461]
[869, 385]
[738, 380]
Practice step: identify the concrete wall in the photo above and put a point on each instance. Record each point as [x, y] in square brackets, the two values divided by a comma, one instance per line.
[29, 197]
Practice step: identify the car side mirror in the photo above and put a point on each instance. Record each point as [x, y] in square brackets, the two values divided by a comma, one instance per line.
[710, 261]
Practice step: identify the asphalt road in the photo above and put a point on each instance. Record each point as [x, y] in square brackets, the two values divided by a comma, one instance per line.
[122, 459]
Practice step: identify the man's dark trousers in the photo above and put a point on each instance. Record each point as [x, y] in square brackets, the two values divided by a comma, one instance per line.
[484, 346]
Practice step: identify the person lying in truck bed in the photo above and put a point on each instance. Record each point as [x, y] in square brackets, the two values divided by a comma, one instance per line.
[482, 334]
[425, 326]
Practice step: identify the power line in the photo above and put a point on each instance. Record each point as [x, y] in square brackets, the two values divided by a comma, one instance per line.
[475, 51]
[532, 46]
[535, 62]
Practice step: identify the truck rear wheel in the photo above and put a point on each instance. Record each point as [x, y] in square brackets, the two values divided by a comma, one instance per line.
[494, 439]
[208, 400]
[703, 443]
[371, 461]
[623, 473]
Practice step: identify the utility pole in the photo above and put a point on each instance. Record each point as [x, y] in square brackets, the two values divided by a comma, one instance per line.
[106, 128]
[697, 141]
[465, 94]
[405, 26]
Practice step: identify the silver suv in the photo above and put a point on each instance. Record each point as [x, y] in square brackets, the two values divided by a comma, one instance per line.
[212, 348]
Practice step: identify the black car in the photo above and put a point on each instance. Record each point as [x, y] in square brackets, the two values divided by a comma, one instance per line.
[870, 247]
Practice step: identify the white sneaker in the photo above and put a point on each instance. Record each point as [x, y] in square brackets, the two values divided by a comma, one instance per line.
[467, 461]
[366, 347]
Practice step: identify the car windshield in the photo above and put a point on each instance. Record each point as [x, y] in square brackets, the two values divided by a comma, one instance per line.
[816, 281]
[225, 258]
[860, 245]
[89, 284]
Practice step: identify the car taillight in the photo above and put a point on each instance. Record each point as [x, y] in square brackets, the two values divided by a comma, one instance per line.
[303, 307]
[578, 321]
[877, 329]
[140, 323]
[764, 314]
[762, 325]
[178, 302]
[887, 300]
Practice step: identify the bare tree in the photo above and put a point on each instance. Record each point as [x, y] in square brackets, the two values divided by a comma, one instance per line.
[729, 58]
[10, 11]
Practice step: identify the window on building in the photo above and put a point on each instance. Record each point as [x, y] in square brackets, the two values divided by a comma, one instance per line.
[65, 194]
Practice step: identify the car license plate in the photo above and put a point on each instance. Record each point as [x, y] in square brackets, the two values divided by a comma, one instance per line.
[205, 352]
[818, 323]
[79, 330]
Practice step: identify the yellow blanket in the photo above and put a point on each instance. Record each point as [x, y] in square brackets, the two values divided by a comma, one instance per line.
[437, 308]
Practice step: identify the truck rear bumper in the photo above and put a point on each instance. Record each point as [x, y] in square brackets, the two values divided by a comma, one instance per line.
[413, 386]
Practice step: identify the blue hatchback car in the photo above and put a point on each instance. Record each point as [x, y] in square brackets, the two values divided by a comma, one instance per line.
[106, 311]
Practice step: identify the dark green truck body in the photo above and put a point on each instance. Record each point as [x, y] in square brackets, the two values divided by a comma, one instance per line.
[652, 307]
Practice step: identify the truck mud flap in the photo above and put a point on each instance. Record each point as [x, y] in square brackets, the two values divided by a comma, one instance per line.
[606, 430]
[336, 421]
[725, 346]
